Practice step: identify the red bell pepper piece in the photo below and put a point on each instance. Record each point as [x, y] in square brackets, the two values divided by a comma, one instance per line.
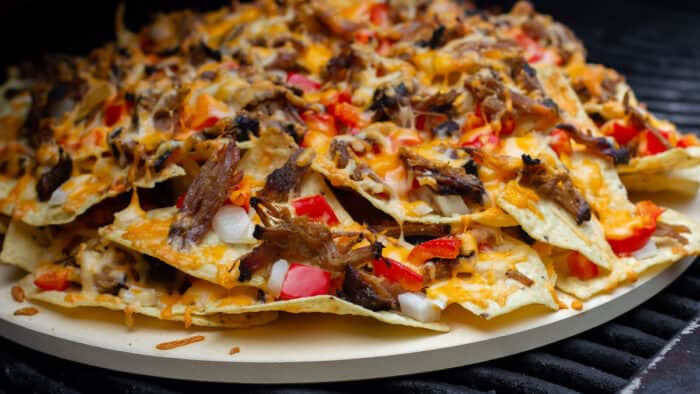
[379, 14]
[323, 123]
[113, 113]
[305, 281]
[581, 267]
[687, 140]
[560, 142]
[396, 272]
[316, 208]
[483, 139]
[443, 248]
[57, 280]
[180, 201]
[507, 125]
[302, 82]
[649, 213]
[650, 144]
[622, 133]
[533, 51]
[347, 113]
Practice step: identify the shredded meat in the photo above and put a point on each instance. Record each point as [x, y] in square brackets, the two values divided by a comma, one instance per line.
[555, 186]
[449, 180]
[340, 153]
[599, 145]
[520, 277]
[207, 193]
[639, 121]
[283, 180]
[366, 290]
[300, 239]
[411, 229]
[340, 66]
[387, 102]
[671, 231]
[50, 180]
[436, 38]
[440, 102]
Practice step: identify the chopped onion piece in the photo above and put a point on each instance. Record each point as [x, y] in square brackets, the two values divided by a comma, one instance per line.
[417, 306]
[648, 250]
[421, 209]
[277, 274]
[58, 197]
[451, 205]
[232, 224]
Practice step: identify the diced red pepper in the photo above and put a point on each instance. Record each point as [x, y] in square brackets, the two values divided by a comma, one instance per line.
[649, 214]
[330, 98]
[621, 132]
[305, 281]
[650, 144]
[302, 82]
[323, 123]
[533, 51]
[364, 35]
[113, 113]
[581, 267]
[209, 122]
[560, 142]
[687, 141]
[427, 122]
[442, 248]
[396, 272]
[57, 280]
[180, 201]
[379, 14]
[348, 114]
[316, 207]
[507, 125]
[482, 139]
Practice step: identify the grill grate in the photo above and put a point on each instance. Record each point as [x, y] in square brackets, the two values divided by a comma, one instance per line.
[655, 48]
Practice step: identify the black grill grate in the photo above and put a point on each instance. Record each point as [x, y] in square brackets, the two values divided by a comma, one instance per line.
[655, 47]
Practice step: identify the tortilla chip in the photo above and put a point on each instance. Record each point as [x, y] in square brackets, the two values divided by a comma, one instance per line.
[684, 181]
[627, 269]
[488, 291]
[29, 247]
[83, 191]
[674, 158]
[545, 220]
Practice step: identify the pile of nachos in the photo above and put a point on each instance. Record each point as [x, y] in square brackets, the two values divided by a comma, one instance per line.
[379, 159]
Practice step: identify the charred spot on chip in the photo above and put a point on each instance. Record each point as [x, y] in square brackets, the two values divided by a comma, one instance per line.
[246, 126]
[470, 167]
[529, 161]
[54, 177]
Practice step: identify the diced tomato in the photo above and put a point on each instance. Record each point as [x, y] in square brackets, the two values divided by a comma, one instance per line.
[649, 213]
[581, 267]
[113, 113]
[687, 140]
[507, 125]
[482, 139]
[560, 142]
[57, 280]
[305, 281]
[379, 14]
[323, 123]
[396, 272]
[649, 144]
[533, 51]
[348, 114]
[442, 248]
[302, 82]
[180, 201]
[621, 132]
[316, 207]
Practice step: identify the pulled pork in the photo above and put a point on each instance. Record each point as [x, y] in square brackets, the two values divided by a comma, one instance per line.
[283, 180]
[207, 193]
[555, 186]
[598, 145]
[448, 179]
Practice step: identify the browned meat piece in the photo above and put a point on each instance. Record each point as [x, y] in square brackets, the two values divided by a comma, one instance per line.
[55, 176]
[439, 102]
[491, 93]
[283, 180]
[340, 66]
[387, 102]
[340, 153]
[207, 193]
[598, 145]
[450, 180]
[299, 239]
[366, 290]
[555, 186]
[520, 277]
[167, 111]
[672, 231]
[411, 229]
[639, 121]
[439, 269]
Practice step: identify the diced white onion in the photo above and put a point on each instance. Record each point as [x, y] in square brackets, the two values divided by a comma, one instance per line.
[58, 197]
[232, 224]
[277, 275]
[451, 205]
[417, 306]
[421, 209]
[648, 250]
